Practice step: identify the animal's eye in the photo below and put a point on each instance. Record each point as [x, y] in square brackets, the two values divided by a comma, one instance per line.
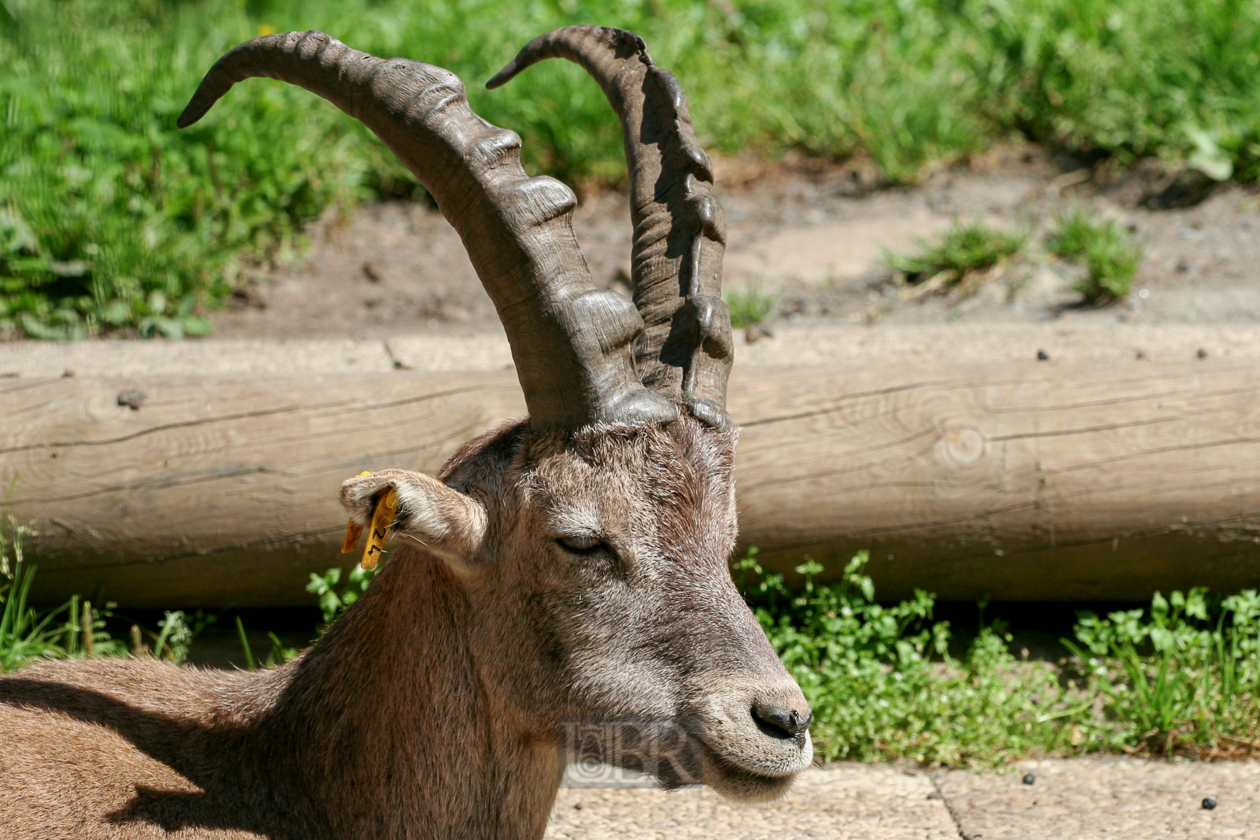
[582, 544]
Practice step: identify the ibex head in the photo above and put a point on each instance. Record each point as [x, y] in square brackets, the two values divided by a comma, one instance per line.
[589, 544]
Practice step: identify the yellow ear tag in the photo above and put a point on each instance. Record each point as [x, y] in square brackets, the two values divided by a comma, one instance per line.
[382, 520]
[353, 529]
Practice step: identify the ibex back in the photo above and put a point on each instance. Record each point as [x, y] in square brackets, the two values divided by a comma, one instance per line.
[569, 567]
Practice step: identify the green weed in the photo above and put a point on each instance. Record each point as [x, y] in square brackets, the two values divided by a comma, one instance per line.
[78, 629]
[251, 664]
[748, 307]
[964, 254]
[1180, 677]
[23, 635]
[882, 683]
[279, 654]
[176, 632]
[1105, 248]
[1183, 676]
[334, 599]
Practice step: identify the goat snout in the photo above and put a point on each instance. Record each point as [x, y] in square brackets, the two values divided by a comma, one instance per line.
[782, 722]
[757, 740]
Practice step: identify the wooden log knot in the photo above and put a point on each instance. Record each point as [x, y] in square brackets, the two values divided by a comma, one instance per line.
[964, 445]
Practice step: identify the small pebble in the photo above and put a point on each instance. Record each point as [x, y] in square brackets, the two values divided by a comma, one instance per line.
[1202, 354]
[1043, 356]
[757, 332]
[132, 398]
[1208, 803]
[936, 794]
[1029, 778]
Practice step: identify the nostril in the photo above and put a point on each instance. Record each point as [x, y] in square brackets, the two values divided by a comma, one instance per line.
[780, 723]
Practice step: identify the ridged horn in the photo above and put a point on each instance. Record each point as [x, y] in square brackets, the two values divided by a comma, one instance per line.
[571, 342]
[679, 230]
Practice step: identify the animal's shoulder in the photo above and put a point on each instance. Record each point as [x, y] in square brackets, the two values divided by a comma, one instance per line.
[108, 748]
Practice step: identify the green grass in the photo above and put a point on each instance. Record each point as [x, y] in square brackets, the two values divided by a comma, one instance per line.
[1106, 250]
[110, 219]
[964, 256]
[74, 629]
[748, 307]
[1182, 675]
[967, 250]
[79, 629]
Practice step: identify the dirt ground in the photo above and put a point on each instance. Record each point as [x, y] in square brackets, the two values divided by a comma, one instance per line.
[812, 234]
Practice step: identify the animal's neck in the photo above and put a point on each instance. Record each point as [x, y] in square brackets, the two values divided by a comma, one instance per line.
[388, 722]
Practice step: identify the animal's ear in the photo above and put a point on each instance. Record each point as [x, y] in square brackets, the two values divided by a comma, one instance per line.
[445, 521]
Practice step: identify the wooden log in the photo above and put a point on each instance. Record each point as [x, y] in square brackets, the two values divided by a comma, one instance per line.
[1018, 480]
[217, 490]
[1023, 481]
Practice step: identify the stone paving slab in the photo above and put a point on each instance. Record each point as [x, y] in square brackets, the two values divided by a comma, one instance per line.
[838, 802]
[1105, 798]
[1079, 799]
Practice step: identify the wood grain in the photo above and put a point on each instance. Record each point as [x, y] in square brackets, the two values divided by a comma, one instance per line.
[1024, 481]
[1021, 480]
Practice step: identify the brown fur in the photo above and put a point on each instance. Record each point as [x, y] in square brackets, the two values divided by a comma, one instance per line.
[430, 709]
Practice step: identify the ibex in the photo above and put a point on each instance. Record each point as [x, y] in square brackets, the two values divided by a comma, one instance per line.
[569, 566]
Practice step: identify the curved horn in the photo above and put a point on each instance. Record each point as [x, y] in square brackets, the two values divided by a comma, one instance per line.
[679, 230]
[571, 342]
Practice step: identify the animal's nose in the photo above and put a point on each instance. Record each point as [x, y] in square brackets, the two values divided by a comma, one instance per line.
[785, 724]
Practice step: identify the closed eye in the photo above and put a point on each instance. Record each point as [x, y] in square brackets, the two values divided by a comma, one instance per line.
[583, 544]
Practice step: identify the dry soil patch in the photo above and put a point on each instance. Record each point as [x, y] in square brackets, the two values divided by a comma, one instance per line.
[815, 239]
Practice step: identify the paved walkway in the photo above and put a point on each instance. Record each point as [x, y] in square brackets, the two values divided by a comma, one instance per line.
[1069, 800]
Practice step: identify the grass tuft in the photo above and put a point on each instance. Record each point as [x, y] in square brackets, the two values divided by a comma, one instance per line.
[748, 307]
[964, 253]
[1105, 248]
[74, 629]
